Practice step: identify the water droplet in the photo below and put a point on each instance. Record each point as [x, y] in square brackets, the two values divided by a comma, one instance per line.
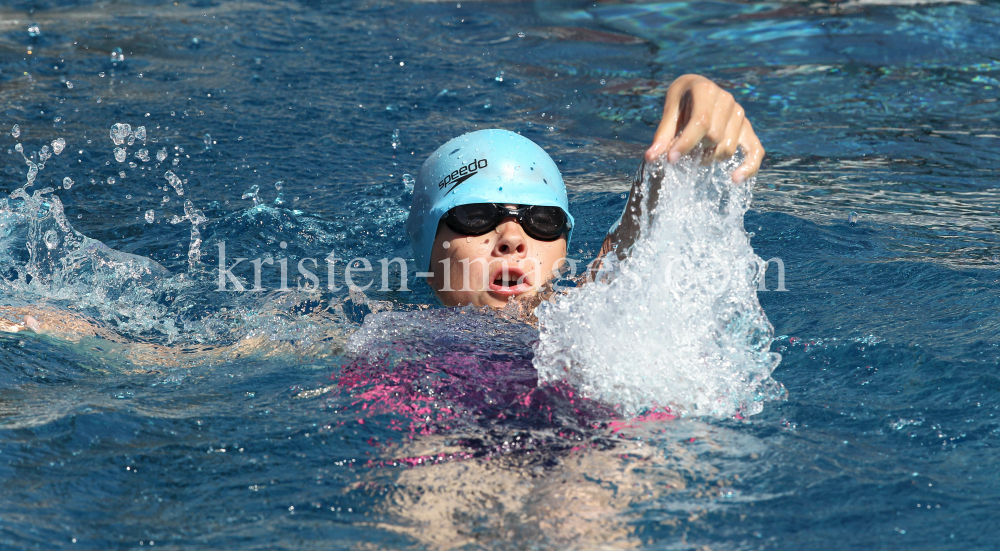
[395, 138]
[117, 56]
[499, 77]
[408, 183]
[122, 174]
[51, 239]
[175, 182]
[19, 148]
[101, 74]
[58, 145]
[279, 184]
[280, 199]
[34, 31]
[69, 85]
[852, 218]
[111, 180]
[603, 82]
[16, 132]
[142, 155]
[252, 194]
[67, 182]
[140, 132]
[488, 104]
[468, 239]
[44, 154]
[128, 196]
[120, 154]
[520, 34]
[150, 216]
[161, 155]
[119, 132]
[208, 141]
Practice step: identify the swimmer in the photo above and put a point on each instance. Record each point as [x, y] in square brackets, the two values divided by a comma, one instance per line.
[490, 220]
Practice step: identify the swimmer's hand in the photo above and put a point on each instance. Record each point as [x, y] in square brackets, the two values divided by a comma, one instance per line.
[10, 327]
[697, 111]
[31, 324]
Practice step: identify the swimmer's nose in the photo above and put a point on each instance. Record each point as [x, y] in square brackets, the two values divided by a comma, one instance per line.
[511, 240]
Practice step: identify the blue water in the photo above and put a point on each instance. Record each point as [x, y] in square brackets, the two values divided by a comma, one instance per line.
[888, 329]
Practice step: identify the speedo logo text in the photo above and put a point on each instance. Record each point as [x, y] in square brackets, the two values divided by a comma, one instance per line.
[462, 174]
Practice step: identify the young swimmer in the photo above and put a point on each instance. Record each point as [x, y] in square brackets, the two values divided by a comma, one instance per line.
[490, 220]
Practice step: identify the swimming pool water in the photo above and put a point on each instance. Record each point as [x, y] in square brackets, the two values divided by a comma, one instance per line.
[251, 420]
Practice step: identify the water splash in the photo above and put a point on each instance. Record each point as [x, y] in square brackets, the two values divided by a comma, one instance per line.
[43, 256]
[676, 323]
[197, 218]
[44, 260]
[16, 131]
[58, 146]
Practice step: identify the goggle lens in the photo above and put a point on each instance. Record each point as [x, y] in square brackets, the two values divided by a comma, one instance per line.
[542, 223]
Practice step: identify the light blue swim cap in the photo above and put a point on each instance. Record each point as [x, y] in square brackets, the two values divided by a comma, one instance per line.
[486, 166]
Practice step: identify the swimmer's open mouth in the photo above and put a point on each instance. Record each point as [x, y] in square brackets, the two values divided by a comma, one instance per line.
[510, 281]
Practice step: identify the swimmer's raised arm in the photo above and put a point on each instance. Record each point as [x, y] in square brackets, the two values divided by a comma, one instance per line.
[696, 111]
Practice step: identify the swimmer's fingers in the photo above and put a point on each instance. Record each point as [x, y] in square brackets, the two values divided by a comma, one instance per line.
[30, 324]
[667, 129]
[729, 140]
[708, 111]
[10, 327]
[753, 151]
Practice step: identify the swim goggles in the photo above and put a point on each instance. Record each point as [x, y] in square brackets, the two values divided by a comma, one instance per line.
[542, 223]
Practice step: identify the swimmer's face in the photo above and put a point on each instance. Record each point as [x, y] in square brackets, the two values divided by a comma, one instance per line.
[489, 269]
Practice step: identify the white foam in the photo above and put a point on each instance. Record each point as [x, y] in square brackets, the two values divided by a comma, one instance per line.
[677, 323]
